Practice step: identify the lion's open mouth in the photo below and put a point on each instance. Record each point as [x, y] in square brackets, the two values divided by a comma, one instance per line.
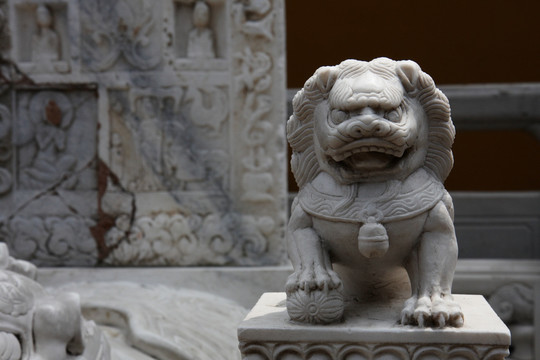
[367, 157]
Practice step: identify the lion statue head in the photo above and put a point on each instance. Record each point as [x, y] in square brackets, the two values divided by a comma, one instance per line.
[370, 121]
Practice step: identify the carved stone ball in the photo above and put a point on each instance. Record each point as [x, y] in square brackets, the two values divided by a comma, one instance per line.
[315, 307]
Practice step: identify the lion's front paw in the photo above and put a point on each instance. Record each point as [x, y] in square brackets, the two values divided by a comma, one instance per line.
[437, 310]
[314, 277]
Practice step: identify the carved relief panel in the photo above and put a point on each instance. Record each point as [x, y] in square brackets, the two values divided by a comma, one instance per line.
[176, 156]
[48, 202]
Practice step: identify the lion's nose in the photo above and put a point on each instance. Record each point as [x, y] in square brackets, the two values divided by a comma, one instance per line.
[364, 126]
[356, 130]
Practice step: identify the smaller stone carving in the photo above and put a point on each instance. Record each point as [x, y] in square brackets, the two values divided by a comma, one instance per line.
[514, 303]
[201, 38]
[371, 147]
[46, 42]
[37, 325]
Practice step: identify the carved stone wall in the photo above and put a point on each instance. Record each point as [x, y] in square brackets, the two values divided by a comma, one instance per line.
[138, 132]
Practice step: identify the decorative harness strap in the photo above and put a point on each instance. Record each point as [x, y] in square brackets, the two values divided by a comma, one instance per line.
[393, 205]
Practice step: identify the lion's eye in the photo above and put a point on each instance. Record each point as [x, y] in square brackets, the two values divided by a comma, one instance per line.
[338, 116]
[394, 115]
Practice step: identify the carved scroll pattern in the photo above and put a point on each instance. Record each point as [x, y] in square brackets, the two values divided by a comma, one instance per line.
[5, 150]
[123, 28]
[259, 114]
[215, 239]
[253, 351]
[50, 241]
[255, 80]
[254, 84]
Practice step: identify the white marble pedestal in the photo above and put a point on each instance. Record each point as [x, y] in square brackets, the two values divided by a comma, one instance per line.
[371, 331]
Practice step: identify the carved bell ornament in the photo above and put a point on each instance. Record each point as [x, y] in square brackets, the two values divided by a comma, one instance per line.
[372, 239]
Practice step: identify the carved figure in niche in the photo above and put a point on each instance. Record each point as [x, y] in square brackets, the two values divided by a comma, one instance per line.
[371, 148]
[52, 115]
[201, 38]
[36, 325]
[45, 43]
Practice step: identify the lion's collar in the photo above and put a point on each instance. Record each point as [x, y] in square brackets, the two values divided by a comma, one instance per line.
[396, 200]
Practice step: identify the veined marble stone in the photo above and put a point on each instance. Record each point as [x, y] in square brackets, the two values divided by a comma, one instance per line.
[370, 331]
[139, 132]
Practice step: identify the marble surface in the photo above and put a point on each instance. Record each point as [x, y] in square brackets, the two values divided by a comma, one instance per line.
[151, 134]
[371, 330]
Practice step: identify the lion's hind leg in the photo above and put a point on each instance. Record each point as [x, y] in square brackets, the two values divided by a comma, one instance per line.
[431, 270]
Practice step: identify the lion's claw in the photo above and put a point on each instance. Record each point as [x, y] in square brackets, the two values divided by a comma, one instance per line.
[315, 278]
[432, 311]
[457, 319]
[441, 319]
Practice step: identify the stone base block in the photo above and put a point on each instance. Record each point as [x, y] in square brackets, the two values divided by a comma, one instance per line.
[369, 332]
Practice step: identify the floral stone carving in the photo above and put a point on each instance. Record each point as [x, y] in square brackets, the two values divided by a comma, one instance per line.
[371, 148]
[36, 325]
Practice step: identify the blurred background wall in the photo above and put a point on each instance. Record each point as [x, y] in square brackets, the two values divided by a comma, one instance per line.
[456, 42]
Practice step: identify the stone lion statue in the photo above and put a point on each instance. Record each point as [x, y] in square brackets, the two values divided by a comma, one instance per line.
[371, 146]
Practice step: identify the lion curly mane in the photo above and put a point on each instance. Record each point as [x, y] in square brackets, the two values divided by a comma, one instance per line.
[417, 84]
